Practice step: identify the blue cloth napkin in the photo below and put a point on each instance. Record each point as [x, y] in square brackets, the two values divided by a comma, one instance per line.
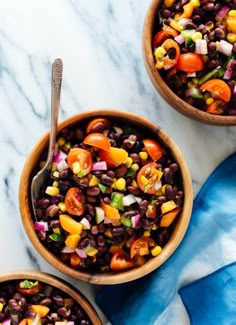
[209, 244]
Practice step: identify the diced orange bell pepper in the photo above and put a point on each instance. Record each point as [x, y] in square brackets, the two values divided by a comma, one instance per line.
[40, 310]
[70, 225]
[187, 12]
[110, 212]
[169, 217]
[23, 322]
[72, 241]
[231, 24]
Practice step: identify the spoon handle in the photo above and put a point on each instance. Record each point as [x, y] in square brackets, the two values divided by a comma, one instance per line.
[57, 69]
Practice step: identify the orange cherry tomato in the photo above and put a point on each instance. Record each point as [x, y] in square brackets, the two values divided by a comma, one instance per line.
[153, 148]
[141, 246]
[217, 107]
[114, 157]
[169, 61]
[97, 140]
[75, 201]
[98, 124]
[80, 161]
[121, 262]
[148, 178]
[163, 34]
[28, 291]
[217, 87]
[190, 62]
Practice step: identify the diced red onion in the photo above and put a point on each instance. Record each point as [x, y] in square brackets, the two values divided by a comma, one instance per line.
[67, 250]
[85, 223]
[224, 47]
[70, 323]
[118, 130]
[62, 165]
[179, 39]
[41, 225]
[138, 199]
[128, 200]
[201, 46]
[6, 321]
[229, 70]
[78, 197]
[99, 165]
[60, 155]
[81, 252]
[234, 91]
[105, 132]
[135, 220]
[222, 13]
[157, 185]
[191, 91]
[191, 75]
[183, 21]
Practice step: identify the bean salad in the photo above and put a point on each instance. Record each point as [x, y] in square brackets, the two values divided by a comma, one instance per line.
[112, 199]
[24, 302]
[194, 46]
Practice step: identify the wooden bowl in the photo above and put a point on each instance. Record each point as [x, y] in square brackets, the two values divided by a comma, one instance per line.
[48, 279]
[181, 225]
[171, 98]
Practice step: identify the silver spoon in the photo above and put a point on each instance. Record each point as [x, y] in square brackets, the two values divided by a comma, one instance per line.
[39, 179]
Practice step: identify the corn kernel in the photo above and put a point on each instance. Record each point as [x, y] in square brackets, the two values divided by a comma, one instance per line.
[134, 183]
[232, 13]
[120, 184]
[231, 38]
[68, 145]
[163, 189]
[135, 167]
[56, 174]
[143, 155]
[156, 250]
[209, 101]
[55, 184]
[168, 206]
[159, 53]
[159, 64]
[114, 184]
[196, 36]
[154, 227]
[61, 141]
[53, 167]
[94, 181]
[129, 162]
[195, 3]
[92, 251]
[144, 180]
[52, 191]
[147, 233]
[57, 230]
[62, 206]
[1, 306]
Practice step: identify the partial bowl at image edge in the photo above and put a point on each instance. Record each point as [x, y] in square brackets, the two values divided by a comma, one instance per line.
[109, 277]
[160, 85]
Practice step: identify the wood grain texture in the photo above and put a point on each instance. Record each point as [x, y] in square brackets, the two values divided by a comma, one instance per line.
[181, 225]
[168, 95]
[56, 282]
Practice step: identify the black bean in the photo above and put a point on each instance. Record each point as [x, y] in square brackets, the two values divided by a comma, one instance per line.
[118, 231]
[121, 171]
[43, 203]
[106, 180]
[94, 230]
[52, 211]
[93, 191]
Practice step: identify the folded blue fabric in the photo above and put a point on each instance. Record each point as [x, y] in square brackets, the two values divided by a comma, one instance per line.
[208, 245]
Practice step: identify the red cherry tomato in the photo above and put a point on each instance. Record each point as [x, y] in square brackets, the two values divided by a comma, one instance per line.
[147, 178]
[141, 246]
[80, 161]
[121, 262]
[217, 107]
[75, 260]
[98, 124]
[75, 201]
[153, 148]
[28, 291]
[190, 62]
[167, 62]
[97, 140]
[163, 34]
[217, 87]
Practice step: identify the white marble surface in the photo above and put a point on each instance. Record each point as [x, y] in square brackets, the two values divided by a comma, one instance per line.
[100, 45]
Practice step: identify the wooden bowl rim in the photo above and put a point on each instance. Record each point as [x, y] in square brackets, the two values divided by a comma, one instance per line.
[56, 282]
[119, 277]
[165, 91]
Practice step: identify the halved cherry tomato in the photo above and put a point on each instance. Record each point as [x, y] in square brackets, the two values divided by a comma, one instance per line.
[97, 140]
[121, 262]
[148, 178]
[163, 34]
[190, 62]
[141, 246]
[153, 148]
[80, 161]
[217, 87]
[28, 291]
[98, 124]
[169, 57]
[75, 201]
[187, 12]
[216, 107]
[114, 157]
